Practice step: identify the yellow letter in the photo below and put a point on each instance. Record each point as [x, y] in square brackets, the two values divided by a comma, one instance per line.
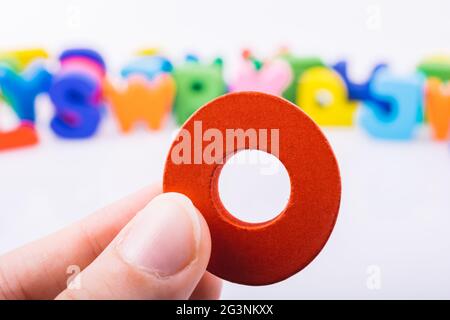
[322, 94]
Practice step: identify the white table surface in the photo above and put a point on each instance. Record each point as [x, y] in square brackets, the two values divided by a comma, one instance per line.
[393, 226]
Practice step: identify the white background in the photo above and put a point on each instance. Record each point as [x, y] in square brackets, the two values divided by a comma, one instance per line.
[395, 216]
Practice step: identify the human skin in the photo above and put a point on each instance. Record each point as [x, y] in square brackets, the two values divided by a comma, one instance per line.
[148, 245]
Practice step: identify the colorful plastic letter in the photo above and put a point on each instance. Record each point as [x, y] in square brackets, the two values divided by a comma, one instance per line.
[356, 91]
[323, 96]
[142, 100]
[298, 66]
[76, 93]
[148, 51]
[273, 77]
[437, 107]
[148, 66]
[404, 94]
[20, 90]
[196, 85]
[360, 91]
[437, 67]
[11, 64]
[89, 56]
[77, 113]
[23, 58]
[24, 135]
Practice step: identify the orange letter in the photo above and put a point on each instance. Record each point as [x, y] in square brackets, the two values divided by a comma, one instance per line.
[142, 100]
[24, 135]
[437, 104]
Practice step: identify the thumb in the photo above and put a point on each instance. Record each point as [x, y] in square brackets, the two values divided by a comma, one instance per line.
[162, 253]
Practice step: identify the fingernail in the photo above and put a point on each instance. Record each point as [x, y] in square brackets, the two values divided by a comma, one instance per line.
[164, 237]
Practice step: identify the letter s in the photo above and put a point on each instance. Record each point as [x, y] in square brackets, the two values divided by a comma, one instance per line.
[75, 97]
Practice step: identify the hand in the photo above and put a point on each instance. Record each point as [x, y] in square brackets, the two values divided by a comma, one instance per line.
[146, 246]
